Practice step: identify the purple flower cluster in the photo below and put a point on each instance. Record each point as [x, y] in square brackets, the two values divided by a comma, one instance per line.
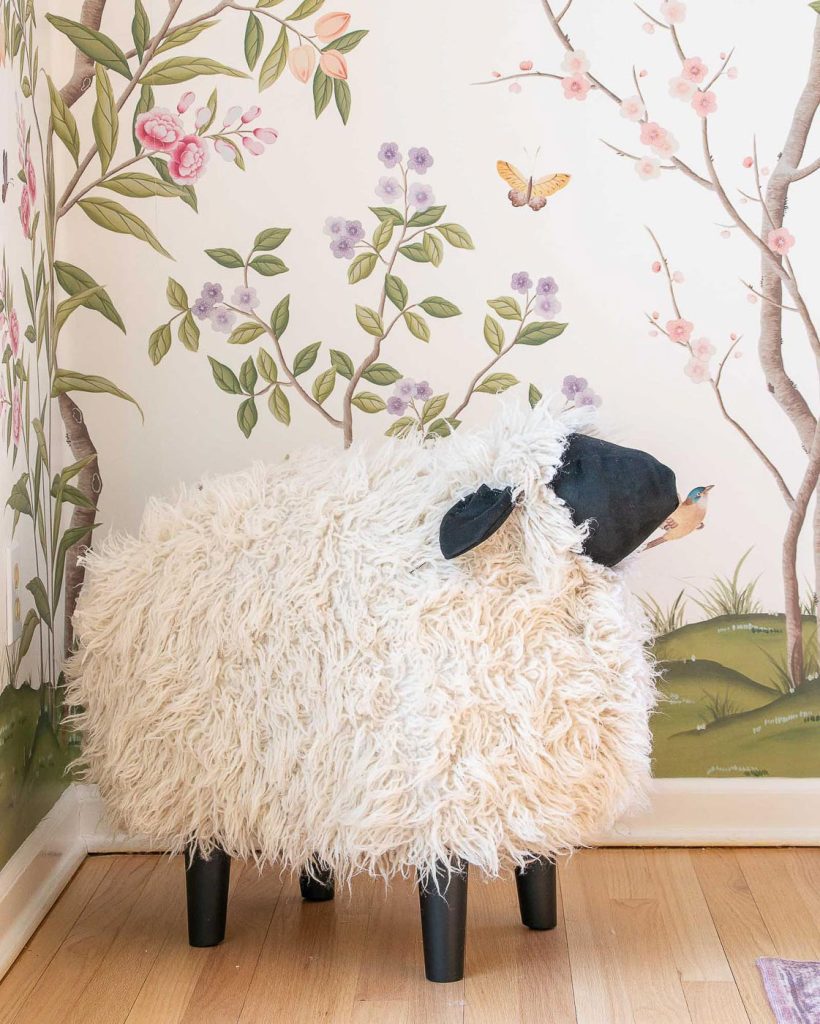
[389, 154]
[545, 302]
[419, 160]
[207, 306]
[344, 234]
[421, 196]
[578, 393]
[521, 282]
[405, 392]
[389, 189]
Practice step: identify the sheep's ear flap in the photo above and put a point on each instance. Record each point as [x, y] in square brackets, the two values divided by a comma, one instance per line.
[473, 519]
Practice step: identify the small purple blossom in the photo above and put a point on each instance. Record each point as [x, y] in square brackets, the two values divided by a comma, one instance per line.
[389, 154]
[201, 308]
[419, 160]
[388, 189]
[343, 248]
[212, 293]
[334, 226]
[222, 319]
[420, 196]
[405, 389]
[353, 229]
[573, 386]
[546, 286]
[245, 299]
[422, 391]
[521, 282]
[548, 305]
[396, 406]
[587, 397]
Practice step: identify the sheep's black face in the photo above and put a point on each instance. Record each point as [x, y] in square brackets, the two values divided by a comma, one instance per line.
[622, 493]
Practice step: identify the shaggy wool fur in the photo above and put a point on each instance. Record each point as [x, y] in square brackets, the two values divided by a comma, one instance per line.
[283, 664]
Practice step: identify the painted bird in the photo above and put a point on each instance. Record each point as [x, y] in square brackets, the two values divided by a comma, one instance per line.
[686, 518]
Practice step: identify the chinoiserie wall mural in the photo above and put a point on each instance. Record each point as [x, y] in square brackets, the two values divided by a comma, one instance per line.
[231, 230]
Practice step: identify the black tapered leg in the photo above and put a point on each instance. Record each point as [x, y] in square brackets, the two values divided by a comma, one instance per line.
[318, 889]
[537, 897]
[443, 921]
[206, 884]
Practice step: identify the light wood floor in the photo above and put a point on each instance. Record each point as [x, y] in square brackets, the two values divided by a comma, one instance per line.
[644, 937]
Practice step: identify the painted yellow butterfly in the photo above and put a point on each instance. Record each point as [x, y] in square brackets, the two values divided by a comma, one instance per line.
[525, 191]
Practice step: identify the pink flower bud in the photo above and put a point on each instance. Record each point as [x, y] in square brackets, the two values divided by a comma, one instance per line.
[731, 73]
[751, 299]
[733, 336]
[726, 233]
[656, 267]
[333, 64]
[515, 87]
[203, 116]
[266, 135]
[185, 100]
[496, 74]
[252, 145]
[251, 114]
[723, 55]
[225, 150]
[678, 277]
[653, 334]
[643, 73]
[331, 26]
[655, 314]
[301, 61]
[747, 161]
[649, 28]
[231, 114]
[525, 65]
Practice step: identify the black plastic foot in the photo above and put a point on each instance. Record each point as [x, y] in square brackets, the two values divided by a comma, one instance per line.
[537, 897]
[443, 922]
[318, 889]
[206, 884]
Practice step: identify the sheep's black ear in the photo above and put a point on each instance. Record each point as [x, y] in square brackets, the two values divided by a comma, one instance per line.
[623, 493]
[474, 519]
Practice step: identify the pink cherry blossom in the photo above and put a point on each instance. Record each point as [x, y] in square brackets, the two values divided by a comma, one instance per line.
[333, 64]
[514, 87]
[576, 87]
[679, 330]
[525, 65]
[253, 145]
[678, 277]
[702, 349]
[780, 240]
[16, 416]
[159, 130]
[649, 28]
[681, 89]
[575, 62]
[31, 178]
[185, 100]
[14, 333]
[694, 70]
[25, 211]
[747, 161]
[266, 135]
[704, 103]
[251, 114]
[656, 267]
[655, 314]
[652, 133]
[632, 108]
[674, 11]
[187, 162]
[751, 298]
[647, 167]
[666, 146]
[697, 371]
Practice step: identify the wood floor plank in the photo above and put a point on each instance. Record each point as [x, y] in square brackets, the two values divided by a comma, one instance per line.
[78, 958]
[35, 958]
[714, 1002]
[796, 935]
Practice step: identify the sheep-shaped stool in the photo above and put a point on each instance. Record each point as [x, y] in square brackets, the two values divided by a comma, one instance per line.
[289, 664]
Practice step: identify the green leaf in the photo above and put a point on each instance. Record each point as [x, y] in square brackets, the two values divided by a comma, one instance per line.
[506, 306]
[361, 267]
[382, 374]
[341, 91]
[266, 365]
[70, 380]
[323, 385]
[63, 122]
[181, 69]
[305, 358]
[37, 589]
[229, 258]
[534, 396]
[42, 444]
[93, 44]
[67, 541]
[184, 34]
[368, 402]
[415, 252]
[401, 427]
[383, 234]
[188, 332]
[247, 416]
[105, 121]
[74, 280]
[136, 185]
[254, 40]
[495, 383]
[370, 321]
[388, 213]
[248, 375]
[540, 331]
[434, 247]
[438, 307]
[347, 42]
[18, 500]
[245, 333]
[443, 427]
[176, 295]
[267, 265]
[425, 218]
[493, 333]
[114, 217]
[225, 377]
[322, 91]
[280, 316]
[279, 405]
[456, 235]
[341, 363]
[270, 238]
[417, 325]
[67, 307]
[275, 62]
[140, 28]
[159, 343]
[305, 9]
[74, 496]
[31, 623]
[396, 290]
[815, 5]
[433, 407]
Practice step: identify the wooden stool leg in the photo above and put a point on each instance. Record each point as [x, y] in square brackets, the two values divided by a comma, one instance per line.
[443, 921]
[537, 896]
[318, 889]
[206, 884]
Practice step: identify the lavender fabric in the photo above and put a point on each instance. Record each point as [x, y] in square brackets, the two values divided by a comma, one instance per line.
[793, 988]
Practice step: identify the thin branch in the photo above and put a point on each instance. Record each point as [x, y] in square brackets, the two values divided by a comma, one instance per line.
[566, 7]
[205, 16]
[719, 72]
[758, 188]
[632, 156]
[760, 295]
[804, 172]
[520, 74]
[671, 283]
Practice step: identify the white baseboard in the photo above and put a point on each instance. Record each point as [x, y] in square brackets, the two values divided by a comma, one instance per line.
[682, 812]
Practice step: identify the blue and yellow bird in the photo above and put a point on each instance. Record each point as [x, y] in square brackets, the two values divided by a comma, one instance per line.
[686, 518]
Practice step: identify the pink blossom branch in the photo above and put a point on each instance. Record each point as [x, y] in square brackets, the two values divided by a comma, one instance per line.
[632, 156]
[520, 74]
[566, 7]
[765, 298]
[804, 172]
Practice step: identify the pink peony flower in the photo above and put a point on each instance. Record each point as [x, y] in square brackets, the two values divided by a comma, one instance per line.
[652, 134]
[674, 11]
[575, 62]
[704, 103]
[780, 240]
[694, 70]
[187, 162]
[253, 145]
[681, 89]
[647, 167]
[702, 349]
[185, 100]
[576, 87]
[632, 108]
[333, 64]
[31, 178]
[159, 130]
[666, 146]
[16, 416]
[679, 330]
[14, 333]
[697, 370]
[525, 65]
[251, 114]
[25, 211]
[331, 25]
[266, 135]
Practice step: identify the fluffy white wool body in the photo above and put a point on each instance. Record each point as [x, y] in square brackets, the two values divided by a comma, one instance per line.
[283, 664]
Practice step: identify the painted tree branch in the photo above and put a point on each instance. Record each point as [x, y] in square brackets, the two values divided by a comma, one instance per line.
[83, 74]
